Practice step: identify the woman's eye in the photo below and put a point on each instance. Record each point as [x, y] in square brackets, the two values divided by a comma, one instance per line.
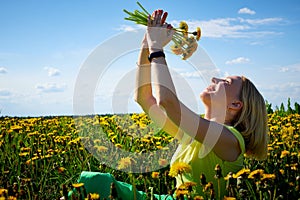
[228, 81]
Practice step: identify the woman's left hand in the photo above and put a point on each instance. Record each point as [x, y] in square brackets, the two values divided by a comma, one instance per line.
[159, 33]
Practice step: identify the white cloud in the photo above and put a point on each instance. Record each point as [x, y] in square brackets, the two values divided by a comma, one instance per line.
[246, 11]
[237, 27]
[3, 70]
[50, 87]
[200, 73]
[278, 93]
[284, 69]
[5, 93]
[52, 71]
[233, 27]
[195, 74]
[295, 68]
[127, 28]
[239, 60]
[265, 21]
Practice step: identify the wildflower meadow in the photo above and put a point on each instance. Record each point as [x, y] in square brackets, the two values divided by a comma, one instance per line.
[43, 157]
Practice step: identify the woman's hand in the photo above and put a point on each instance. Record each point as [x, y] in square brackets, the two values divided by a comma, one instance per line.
[159, 33]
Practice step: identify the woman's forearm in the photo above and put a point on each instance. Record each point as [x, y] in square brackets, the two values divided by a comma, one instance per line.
[145, 98]
[143, 90]
[165, 89]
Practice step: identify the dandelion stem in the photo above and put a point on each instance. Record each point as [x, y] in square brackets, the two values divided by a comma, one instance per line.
[181, 178]
[219, 189]
[251, 190]
[142, 8]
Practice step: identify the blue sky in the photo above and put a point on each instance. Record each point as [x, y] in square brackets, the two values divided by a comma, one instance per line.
[44, 45]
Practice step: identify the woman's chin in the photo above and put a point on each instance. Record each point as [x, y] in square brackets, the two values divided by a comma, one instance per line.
[205, 97]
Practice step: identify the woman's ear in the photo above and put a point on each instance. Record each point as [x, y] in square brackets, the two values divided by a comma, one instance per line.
[236, 105]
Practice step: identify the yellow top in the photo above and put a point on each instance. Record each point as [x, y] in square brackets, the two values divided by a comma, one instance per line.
[203, 161]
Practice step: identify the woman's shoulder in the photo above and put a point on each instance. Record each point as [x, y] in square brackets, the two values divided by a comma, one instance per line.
[238, 136]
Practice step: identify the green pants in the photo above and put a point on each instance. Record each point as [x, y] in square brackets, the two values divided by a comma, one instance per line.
[96, 182]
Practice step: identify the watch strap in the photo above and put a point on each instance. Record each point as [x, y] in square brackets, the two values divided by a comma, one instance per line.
[156, 55]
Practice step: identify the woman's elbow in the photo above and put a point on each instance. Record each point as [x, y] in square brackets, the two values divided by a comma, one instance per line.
[140, 99]
[168, 103]
[145, 101]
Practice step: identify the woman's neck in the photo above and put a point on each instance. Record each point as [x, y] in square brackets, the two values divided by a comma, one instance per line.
[217, 115]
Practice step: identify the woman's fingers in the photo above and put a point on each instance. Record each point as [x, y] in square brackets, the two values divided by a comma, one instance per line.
[149, 22]
[164, 17]
[158, 17]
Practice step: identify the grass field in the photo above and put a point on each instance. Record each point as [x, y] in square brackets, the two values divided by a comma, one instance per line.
[42, 157]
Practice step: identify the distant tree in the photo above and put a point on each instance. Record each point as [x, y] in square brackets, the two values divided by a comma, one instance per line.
[297, 108]
[282, 108]
[269, 107]
[289, 109]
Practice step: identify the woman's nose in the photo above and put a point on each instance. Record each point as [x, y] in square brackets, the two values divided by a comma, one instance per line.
[214, 80]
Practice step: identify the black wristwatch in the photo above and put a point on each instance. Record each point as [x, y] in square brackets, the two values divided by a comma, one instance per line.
[156, 55]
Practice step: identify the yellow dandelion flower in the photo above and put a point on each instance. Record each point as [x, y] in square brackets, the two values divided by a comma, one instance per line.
[77, 185]
[26, 180]
[189, 184]
[125, 163]
[184, 26]
[294, 153]
[61, 169]
[180, 192]
[25, 149]
[281, 171]
[228, 176]
[229, 198]
[32, 134]
[242, 172]
[198, 197]
[198, 36]
[284, 153]
[294, 166]
[3, 191]
[93, 196]
[145, 140]
[176, 49]
[113, 138]
[270, 148]
[209, 186]
[155, 175]
[111, 134]
[268, 176]
[16, 127]
[162, 162]
[23, 154]
[179, 168]
[118, 145]
[30, 161]
[101, 148]
[256, 174]
[97, 141]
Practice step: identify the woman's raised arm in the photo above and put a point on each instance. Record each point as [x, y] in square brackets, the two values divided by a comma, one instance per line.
[144, 96]
[212, 133]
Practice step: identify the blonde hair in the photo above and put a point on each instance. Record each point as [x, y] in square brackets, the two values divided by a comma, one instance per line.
[252, 121]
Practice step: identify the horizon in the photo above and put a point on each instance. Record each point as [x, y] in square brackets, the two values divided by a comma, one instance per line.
[44, 47]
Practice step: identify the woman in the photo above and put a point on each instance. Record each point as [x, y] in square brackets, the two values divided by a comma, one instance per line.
[235, 120]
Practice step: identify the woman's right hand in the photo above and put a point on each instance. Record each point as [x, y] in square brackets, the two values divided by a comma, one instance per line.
[159, 33]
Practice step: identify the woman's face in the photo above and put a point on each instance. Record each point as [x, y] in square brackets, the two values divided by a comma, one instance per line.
[222, 91]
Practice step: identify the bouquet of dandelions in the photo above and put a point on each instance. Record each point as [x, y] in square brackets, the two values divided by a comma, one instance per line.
[185, 42]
